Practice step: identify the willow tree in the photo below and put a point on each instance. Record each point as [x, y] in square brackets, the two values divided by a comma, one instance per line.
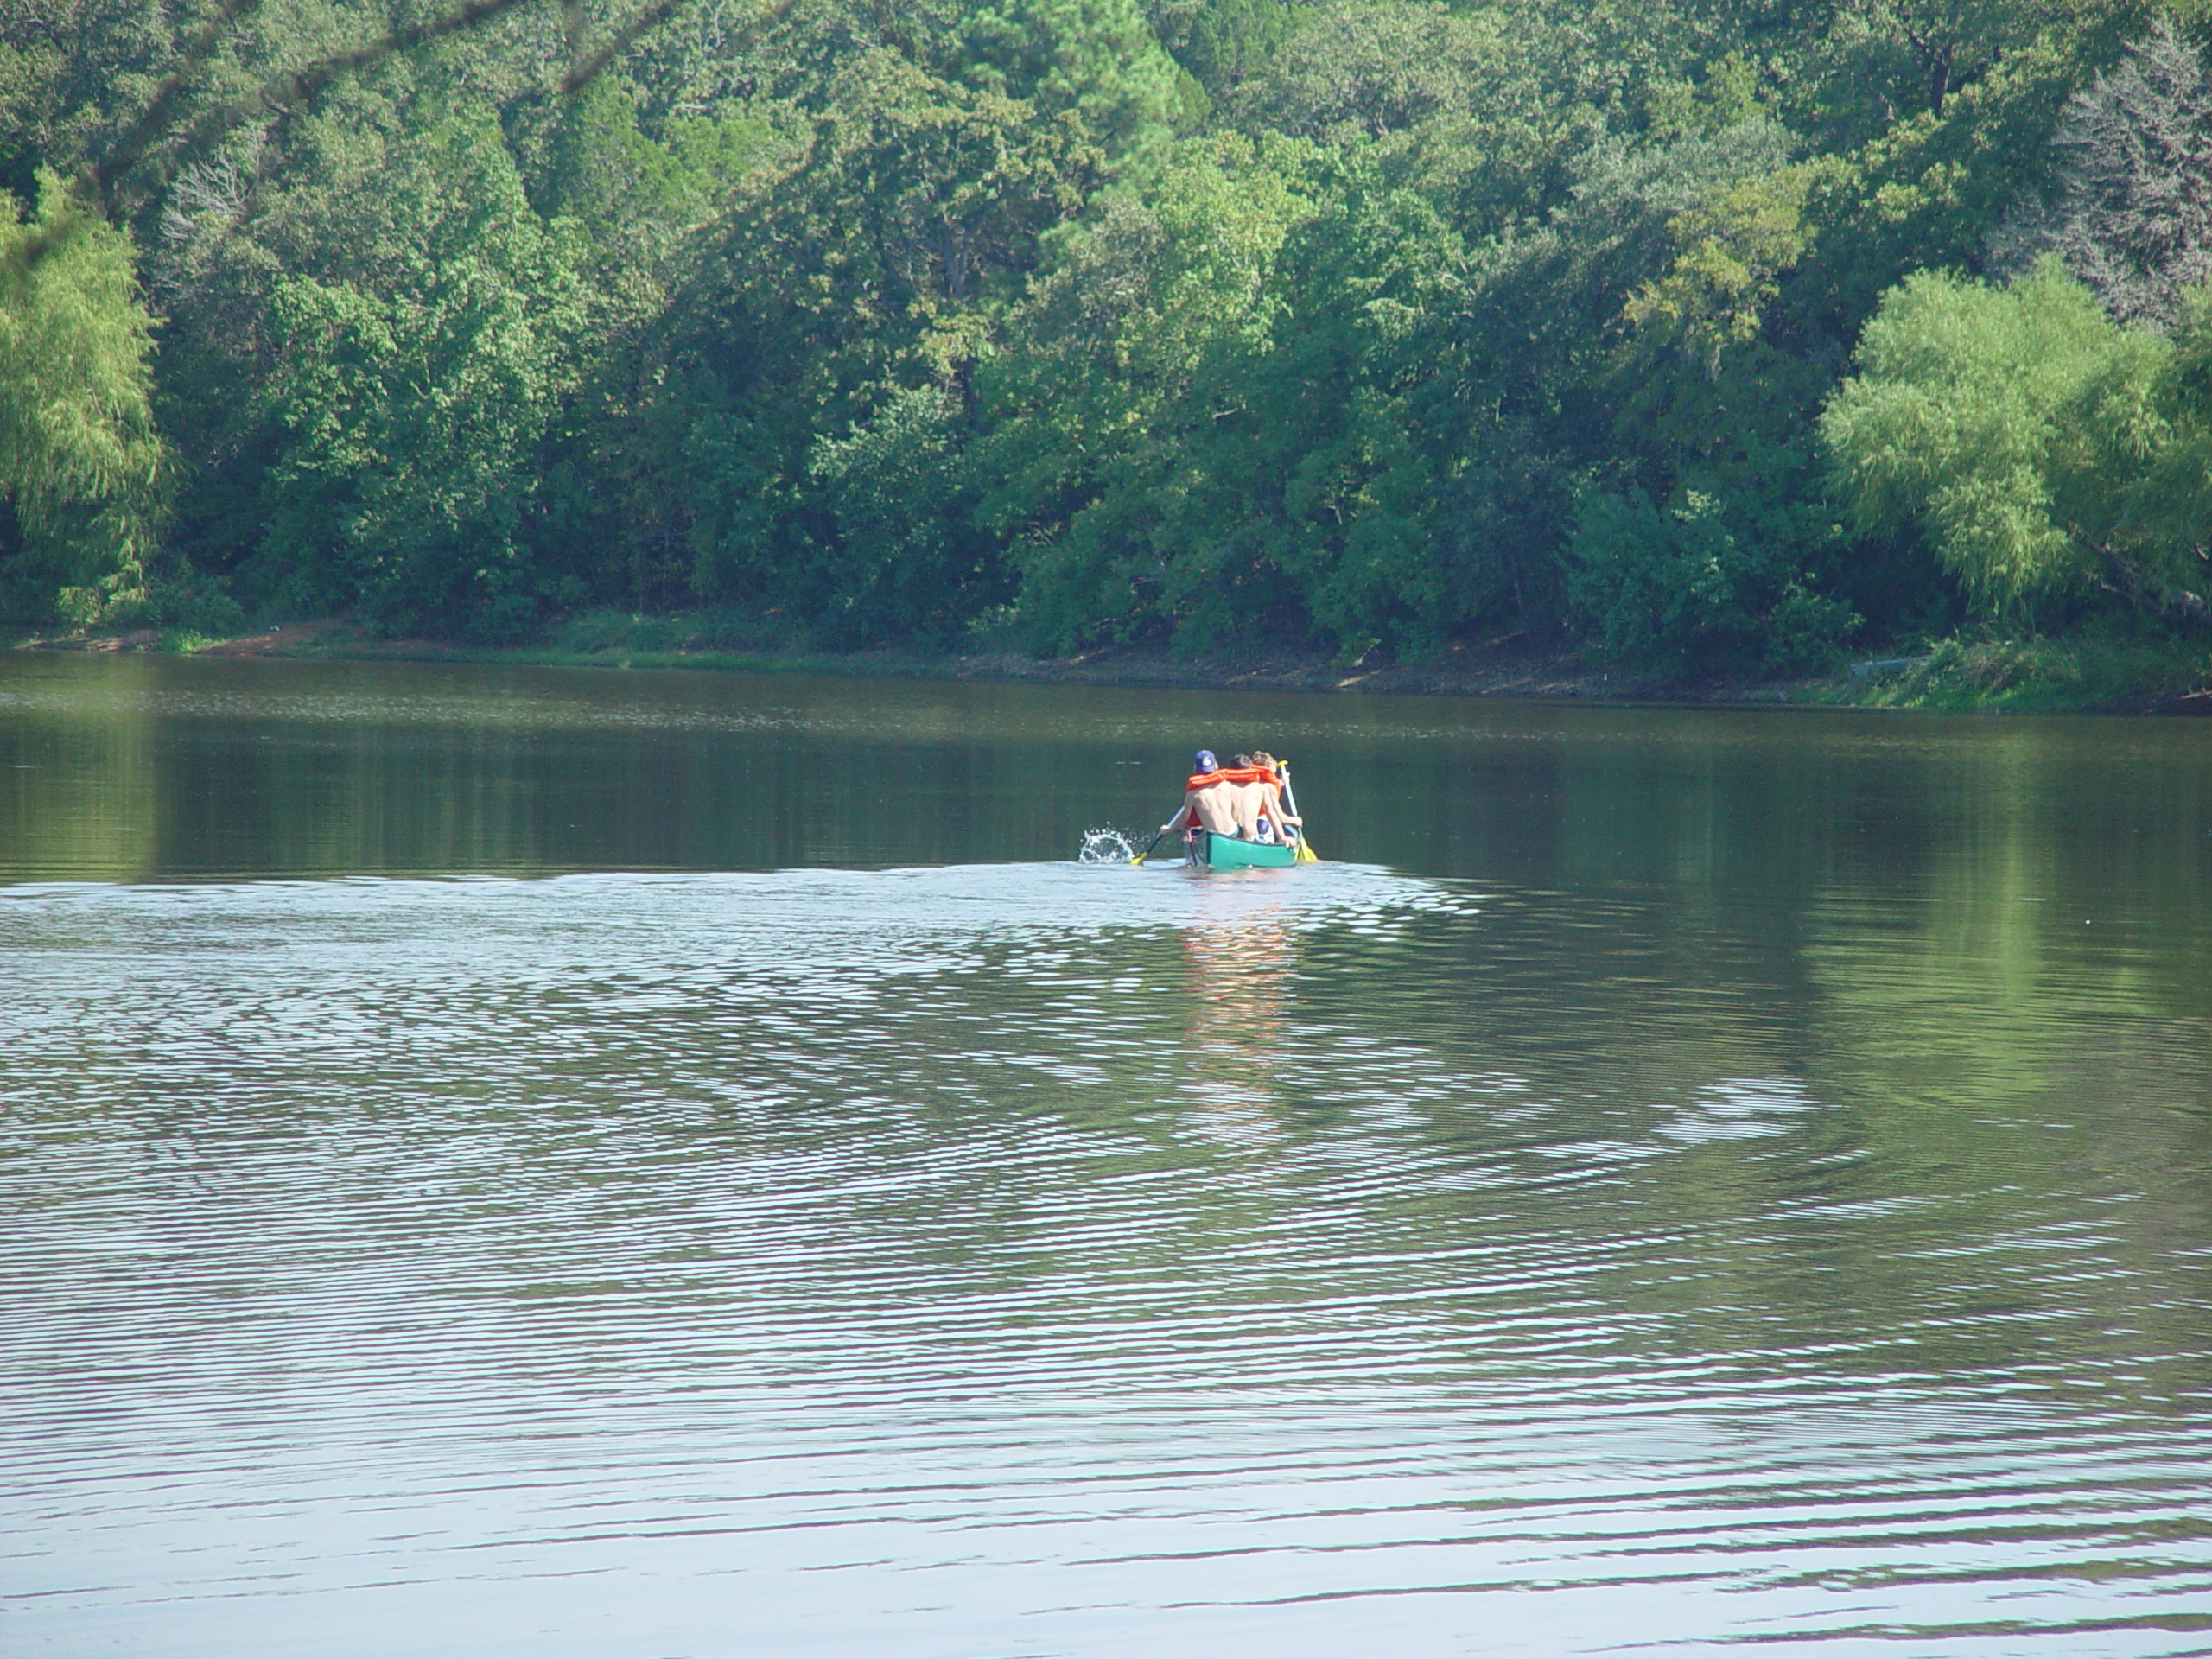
[81, 466]
[2036, 443]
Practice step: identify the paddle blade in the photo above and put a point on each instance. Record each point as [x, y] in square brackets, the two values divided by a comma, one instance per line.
[1306, 853]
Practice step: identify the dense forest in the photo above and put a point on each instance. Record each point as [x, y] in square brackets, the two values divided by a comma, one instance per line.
[1724, 335]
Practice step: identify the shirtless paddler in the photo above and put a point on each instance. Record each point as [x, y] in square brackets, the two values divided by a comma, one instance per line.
[1209, 799]
[1259, 811]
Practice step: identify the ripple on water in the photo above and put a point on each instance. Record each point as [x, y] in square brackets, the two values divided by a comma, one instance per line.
[1042, 1259]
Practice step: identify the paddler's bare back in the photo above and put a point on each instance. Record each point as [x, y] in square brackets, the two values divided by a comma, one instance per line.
[1215, 807]
[1233, 803]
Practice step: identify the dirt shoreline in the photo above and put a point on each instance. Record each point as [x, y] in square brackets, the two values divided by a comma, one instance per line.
[1506, 668]
[1512, 666]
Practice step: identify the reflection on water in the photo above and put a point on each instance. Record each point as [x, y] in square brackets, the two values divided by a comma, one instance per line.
[1735, 1180]
[1240, 968]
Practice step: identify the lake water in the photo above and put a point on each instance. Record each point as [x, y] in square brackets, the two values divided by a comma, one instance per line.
[541, 1163]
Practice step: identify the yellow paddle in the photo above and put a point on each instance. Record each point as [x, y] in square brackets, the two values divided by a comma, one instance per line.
[1306, 853]
[1149, 846]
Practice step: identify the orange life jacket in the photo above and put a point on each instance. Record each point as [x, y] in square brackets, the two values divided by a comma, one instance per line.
[1230, 775]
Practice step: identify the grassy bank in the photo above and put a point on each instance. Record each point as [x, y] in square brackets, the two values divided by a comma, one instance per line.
[1988, 670]
[2038, 674]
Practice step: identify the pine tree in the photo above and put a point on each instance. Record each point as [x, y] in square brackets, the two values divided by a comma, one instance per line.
[1098, 58]
[2130, 212]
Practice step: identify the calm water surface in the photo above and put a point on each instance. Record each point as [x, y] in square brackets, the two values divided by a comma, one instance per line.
[519, 1162]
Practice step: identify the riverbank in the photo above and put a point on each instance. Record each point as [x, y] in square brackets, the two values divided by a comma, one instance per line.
[1507, 667]
[1988, 671]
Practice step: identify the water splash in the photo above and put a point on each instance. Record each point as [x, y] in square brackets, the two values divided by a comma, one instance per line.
[1106, 845]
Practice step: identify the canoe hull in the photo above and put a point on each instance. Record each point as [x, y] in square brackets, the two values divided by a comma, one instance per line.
[1226, 853]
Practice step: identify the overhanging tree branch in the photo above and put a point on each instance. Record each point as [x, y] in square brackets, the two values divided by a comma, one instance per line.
[157, 116]
[282, 93]
[134, 155]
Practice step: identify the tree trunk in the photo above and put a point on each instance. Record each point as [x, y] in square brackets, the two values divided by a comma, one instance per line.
[2147, 593]
[1940, 60]
[1939, 78]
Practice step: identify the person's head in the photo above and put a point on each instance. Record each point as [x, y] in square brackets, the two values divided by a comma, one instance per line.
[1261, 758]
[1204, 761]
[1241, 761]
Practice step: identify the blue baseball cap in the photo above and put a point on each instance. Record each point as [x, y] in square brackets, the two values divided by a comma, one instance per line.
[1204, 761]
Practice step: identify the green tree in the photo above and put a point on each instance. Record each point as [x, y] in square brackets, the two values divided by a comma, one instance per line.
[2165, 514]
[866, 262]
[1124, 481]
[1097, 62]
[1675, 587]
[82, 469]
[913, 564]
[1952, 41]
[2009, 425]
[1221, 43]
[414, 410]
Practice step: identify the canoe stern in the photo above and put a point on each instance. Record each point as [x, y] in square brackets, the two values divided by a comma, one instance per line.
[1226, 853]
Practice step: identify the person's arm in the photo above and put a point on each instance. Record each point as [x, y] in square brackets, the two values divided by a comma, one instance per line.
[1181, 817]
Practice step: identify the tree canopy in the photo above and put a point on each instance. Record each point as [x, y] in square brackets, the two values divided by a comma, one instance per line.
[1716, 337]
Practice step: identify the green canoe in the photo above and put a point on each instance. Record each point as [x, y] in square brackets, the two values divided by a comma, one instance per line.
[1226, 853]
